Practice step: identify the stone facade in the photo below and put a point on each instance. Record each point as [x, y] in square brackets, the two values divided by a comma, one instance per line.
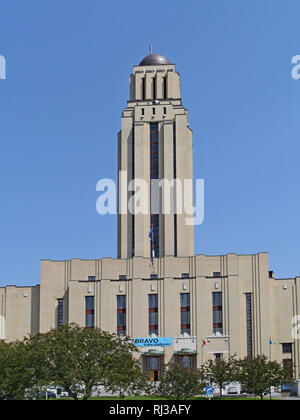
[210, 306]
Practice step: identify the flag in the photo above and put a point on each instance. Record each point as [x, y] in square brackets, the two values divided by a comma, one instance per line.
[203, 343]
[150, 233]
[270, 342]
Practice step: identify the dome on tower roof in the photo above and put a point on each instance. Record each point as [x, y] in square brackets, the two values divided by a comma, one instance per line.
[154, 60]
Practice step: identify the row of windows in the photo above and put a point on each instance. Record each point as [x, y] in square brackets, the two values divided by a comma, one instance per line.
[185, 326]
[154, 88]
[154, 111]
[124, 277]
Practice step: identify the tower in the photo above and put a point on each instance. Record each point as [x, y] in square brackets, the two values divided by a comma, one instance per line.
[155, 143]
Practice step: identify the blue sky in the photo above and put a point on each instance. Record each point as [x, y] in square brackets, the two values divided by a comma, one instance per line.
[68, 66]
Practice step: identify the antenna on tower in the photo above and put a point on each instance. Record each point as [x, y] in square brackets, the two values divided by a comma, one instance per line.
[150, 49]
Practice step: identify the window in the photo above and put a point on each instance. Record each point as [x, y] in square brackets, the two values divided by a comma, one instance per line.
[153, 276]
[185, 313]
[164, 88]
[249, 323]
[287, 347]
[154, 88]
[133, 235]
[218, 357]
[216, 274]
[132, 177]
[187, 361]
[154, 174]
[153, 111]
[165, 110]
[153, 314]
[185, 275]
[122, 277]
[91, 278]
[60, 313]
[174, 176]
[121, 314]
[175, 235]
[152, 365]
[217, 313]
[143, 111]
[89, 311]
[288, 366]
[144, 88]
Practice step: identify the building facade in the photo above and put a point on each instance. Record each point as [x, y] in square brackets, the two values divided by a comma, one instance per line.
[157, 291]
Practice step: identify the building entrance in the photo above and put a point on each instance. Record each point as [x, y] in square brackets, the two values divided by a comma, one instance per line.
[153, 367]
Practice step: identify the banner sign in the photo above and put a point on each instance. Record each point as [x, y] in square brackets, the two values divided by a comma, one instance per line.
[153, 341]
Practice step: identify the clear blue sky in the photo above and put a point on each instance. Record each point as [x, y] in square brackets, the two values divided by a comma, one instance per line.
[68, 66]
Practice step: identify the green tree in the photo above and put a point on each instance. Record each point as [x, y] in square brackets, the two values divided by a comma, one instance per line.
[257, 375]
[222, 372]
[180, 383]
[80, 359]
[17, 375]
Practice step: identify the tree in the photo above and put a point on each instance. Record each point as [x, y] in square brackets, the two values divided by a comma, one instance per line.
[257, 375]
[80, 359]
[221, 372]
[17, 375]
[180, 383]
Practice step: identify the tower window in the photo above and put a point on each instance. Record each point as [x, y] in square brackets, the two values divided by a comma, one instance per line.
[154, 88]
[153, 111]
[132, 177]
[143, 111]
[164, 88]
[144, 88]
[154, 174]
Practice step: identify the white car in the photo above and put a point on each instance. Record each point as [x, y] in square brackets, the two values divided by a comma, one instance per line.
[232, 390]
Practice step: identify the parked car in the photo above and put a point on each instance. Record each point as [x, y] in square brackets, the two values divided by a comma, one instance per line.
[232, 390]
[47, 395]
[286, 388]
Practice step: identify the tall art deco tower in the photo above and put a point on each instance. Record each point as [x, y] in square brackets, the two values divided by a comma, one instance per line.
[155, 143]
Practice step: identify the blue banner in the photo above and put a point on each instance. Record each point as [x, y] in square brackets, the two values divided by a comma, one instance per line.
[153, 341]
